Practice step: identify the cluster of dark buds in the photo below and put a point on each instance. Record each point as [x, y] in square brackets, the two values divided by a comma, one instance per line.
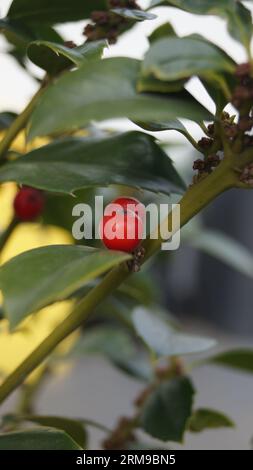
[242, 99]
[70, 44]
[211, 160]
[243, 92]
[107, 24]
[134, 265]
[205, 166]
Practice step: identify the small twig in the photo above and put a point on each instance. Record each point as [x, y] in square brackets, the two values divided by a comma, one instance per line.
[4, 236]
[19, 124]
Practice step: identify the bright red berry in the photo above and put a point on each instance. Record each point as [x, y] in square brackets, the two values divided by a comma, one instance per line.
[131, 204]
[121, 228]
[28, 203]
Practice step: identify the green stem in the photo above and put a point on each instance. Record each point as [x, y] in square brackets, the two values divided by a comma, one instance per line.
[197, 197]
[19, 124]
[204, 128]
[4, 236]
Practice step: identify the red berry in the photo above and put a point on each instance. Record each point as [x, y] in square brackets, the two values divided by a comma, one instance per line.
[131, 204]
[28, 203]
[121, 229]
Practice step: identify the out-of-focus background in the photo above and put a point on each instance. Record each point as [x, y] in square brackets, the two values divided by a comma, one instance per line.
[207, 294]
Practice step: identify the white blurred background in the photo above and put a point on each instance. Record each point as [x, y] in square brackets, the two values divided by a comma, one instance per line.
[93, 389]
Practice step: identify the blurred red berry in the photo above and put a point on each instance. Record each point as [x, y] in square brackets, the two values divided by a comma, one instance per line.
[28, 204]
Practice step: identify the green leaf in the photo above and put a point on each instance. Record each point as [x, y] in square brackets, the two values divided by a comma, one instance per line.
[238, 17]
[175, 125]
[224, 248]
[59, 207]
[132, 14]
[17, 33]
[54, 57]
[6, 119]
[53, 11]
[167, 410]
[103, 90]
[241, 359]
[74, 428]
[164, 126]
[37, 439]
[153, 85]
[138, 367]
[203, 419]
[162, 338]
[132, 159]
[20, 35]
[38, 277]
[173, 58]
[163, 31]
[113, 343]
[118, 347]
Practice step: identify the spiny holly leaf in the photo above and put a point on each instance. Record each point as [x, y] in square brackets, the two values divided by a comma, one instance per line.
[132, 14]
[241, 359]
[74, 428]
[238, 17]
[204, 418]
[162, 338]
[167, 410]
[106, 89]
[53, 11]
[132, 159]
[175, 125]
[37, 439]
[174, 58]
[54, 57]
[38, 277]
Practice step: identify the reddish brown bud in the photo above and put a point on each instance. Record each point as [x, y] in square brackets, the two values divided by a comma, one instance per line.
[199, 165]
[205, 143]
[242, 93]
[248, 141]
[243, 70]
[210, 129]
[100, 17]
[70, 44]
[115, 3]
[225, 116]
[213, 160]
[245, 123]
[112, 36]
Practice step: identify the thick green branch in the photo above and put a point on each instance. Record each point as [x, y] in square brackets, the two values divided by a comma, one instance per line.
[197, 197]
[17, 125]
